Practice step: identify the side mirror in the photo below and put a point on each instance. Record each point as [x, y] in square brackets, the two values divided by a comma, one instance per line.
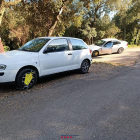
[45, 51]
[49, 49]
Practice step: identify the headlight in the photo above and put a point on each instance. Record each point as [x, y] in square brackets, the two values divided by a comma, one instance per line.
[2, 67]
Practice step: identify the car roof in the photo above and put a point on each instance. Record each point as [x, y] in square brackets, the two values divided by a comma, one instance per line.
[109, 39]
[61, 37]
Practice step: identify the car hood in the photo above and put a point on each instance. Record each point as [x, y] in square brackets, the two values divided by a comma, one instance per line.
[94, 47]
[15, 56]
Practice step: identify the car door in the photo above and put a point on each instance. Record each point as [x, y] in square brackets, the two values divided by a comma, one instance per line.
[107, 48]
[57, 57]
[116, 46]
[80, 52]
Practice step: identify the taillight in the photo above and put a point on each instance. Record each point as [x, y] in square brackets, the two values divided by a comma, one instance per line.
[90, 51]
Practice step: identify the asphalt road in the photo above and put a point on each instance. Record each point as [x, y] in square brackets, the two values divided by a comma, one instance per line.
[86, 109]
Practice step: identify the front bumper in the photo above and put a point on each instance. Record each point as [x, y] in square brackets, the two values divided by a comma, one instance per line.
[8, 76]
[1, 73]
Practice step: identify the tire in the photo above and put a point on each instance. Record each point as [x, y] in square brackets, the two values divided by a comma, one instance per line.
[20, 80]
[95, 54]
[85, 67]
[120, 50]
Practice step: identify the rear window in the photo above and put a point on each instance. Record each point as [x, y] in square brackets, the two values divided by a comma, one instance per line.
[78, 44]
[116, 42]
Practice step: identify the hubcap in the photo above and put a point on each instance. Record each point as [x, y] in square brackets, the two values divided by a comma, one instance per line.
[31, 82]
[96, 53]
[85, 66]
[120, 50]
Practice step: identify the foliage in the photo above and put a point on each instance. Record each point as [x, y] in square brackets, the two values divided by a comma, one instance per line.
[6, 48]
[87, 31]
[133, 46]
[127, 21]
[23, 20]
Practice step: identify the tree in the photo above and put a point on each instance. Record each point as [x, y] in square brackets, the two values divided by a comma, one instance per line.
[72, 16]
[127, 20]
[4, 5]
[59, 9]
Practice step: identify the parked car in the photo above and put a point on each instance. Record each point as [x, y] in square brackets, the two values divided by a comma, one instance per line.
[108, 46]
[43, 56]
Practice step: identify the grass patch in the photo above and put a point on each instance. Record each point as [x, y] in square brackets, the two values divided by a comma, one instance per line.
[133, 46]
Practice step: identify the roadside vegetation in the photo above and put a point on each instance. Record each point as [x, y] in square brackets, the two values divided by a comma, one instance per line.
[6, 48]
[133, 46]
[90, 20]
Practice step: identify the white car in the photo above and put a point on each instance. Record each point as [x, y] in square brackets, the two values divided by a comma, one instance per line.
[43, 56]
[108, 46]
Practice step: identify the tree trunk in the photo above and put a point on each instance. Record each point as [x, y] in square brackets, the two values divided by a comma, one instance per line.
[92, 40]
[1, 14]
[95, 15]
[23, 40]
[53, 26]
[56, 20]
[137, 37]
[2, 9]
[124, 33]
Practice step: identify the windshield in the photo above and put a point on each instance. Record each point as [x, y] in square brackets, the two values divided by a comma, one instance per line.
[99, 42]
[34, 45]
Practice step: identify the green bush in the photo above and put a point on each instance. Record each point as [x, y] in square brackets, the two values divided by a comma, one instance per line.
[6, 48]
[133, 46]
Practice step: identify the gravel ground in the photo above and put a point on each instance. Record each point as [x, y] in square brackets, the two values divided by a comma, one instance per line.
[102, 67]
[127, 58]
[98, 69]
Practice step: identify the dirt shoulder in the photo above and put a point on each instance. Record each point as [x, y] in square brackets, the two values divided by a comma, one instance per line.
[127, 58]
[102, 67]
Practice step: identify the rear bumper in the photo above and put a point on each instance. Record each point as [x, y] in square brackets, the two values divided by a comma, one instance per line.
[91, 62]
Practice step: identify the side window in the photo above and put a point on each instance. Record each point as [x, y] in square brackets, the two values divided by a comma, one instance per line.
[108, 45]
[116, 43]
[58, 45]
[78, 44]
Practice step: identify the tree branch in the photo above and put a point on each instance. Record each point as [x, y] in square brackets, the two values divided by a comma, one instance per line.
[12, 3]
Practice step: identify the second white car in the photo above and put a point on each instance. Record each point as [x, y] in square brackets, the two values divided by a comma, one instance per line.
[108, 46]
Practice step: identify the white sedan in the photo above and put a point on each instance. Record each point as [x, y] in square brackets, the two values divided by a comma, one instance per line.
[108, 46]
[43, 56]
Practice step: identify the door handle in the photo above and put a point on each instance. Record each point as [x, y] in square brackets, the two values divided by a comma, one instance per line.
[70, 54]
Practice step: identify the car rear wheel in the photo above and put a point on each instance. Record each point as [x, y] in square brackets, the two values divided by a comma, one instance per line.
[95, 54]
[26, 78]
[84, 67]
[120, 50]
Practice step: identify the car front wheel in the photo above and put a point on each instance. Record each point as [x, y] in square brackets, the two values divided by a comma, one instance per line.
[95, 54]
[85, 66]
[26, 78]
